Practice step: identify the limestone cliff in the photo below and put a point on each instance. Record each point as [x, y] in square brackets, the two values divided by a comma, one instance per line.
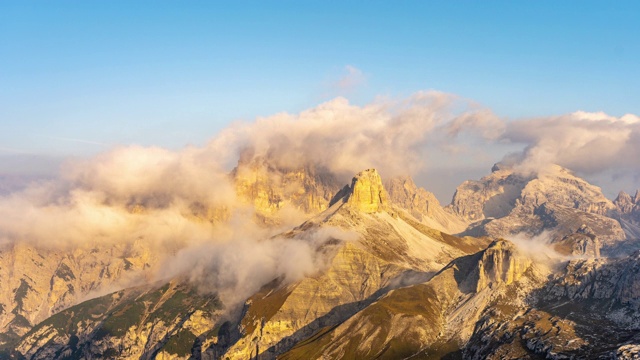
[500, 263]
[269, 188]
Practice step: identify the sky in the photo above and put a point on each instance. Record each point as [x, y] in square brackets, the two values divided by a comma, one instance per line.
[79, 78]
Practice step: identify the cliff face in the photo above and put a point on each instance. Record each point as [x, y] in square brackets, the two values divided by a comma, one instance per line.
[269, 189]
[367, 194]
[500, 264]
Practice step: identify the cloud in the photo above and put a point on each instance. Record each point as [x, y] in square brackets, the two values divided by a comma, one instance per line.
[350, 80]
[239, 266]
[589, 143]
[391, 135]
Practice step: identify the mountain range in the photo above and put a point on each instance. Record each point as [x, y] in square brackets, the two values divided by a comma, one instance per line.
[518, 265]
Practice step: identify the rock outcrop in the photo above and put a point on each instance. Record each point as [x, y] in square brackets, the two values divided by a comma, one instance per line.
[501, 263]
[583, 243]
[367, 192]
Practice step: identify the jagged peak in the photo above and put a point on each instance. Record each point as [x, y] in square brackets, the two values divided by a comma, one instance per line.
[636, 197]
[366, 192]
[623, 197]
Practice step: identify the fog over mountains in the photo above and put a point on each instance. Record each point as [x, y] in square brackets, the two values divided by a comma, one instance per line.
[305, 236]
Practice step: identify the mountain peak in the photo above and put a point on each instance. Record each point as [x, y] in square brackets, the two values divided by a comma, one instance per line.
[367, 192]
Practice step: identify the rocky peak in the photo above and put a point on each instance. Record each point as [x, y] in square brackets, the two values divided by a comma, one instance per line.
[583, 242]
[367, 192]
[422, 205]
[500, 263]
[624, 202]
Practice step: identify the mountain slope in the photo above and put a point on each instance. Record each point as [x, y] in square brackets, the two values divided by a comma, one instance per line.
[429, 320]
[390, 248]
[422, 205]
[138, 323]
[38, 282]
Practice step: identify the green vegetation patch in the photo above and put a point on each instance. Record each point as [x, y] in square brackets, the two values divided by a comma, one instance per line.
[181, 343]
[123, 318]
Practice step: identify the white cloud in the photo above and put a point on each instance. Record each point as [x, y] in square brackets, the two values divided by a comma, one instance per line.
[351, 79]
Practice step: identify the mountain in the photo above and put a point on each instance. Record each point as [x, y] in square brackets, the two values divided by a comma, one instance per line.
[587, 310]
[433, 319]
[38, 282]
[388, 280]
[269, 188]
[554, 203]
[162, 322]
[388, 249]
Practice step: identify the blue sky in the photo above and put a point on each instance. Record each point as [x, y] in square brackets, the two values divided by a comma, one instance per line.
[77, 77]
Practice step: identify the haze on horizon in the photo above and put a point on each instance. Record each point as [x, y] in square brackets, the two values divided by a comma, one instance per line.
[439, 91]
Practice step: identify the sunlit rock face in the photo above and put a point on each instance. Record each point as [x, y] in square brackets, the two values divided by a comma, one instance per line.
[367, 192]
[501, 263]
[269, 189]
